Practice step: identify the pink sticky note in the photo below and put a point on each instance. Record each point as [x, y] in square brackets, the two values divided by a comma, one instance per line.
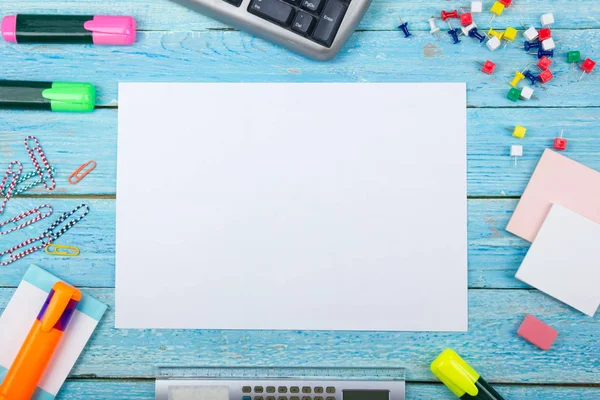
[535, 331]
[556, 179]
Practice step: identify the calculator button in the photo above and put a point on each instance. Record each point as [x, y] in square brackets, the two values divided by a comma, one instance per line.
[306, 398]
[258, 398]
[246, 398]
[282, 389]
[294, 398]
[246, 389]
[270, 389]
[306, 389]
[319, 398]
[258, 389]
[330, 22]
[330, 398]
[312, 5]
[330, 389]
[270, 397]
[318, 389]
[282, 398]
[274, 10]
[294, 389]
[303, 23]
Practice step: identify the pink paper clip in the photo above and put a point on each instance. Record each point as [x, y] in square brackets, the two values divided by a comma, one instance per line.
[41, 212]
[36, 164]
[82, 172]
[14, 176]
[44, 240]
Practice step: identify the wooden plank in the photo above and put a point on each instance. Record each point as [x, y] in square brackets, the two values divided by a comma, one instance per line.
[381, 56]
[72, 139]
[383, 14]
[494, 254]
[105, 389]
[491, 345]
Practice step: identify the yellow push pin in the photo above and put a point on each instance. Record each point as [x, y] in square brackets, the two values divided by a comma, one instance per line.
[510, 34]
[518, 78]
[496, 10]
[493, 33]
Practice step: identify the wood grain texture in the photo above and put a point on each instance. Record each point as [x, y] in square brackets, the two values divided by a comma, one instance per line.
[491, 344]
[380, 56]
[72, 139]
[105, 389]
[494, 254]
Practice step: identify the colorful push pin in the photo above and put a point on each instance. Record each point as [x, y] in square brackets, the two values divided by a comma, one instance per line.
[587, 66]
[513, 94]
[506, 3]
[496, 10]
[492, 33]
[531, 34]
[475, 34]
[560, 143]
[466, 29]
[493, 43]
[529, 75]
[518, 131]
[466, 19]
[544, 63]
[510, 34]
[433, 27]
[404, 27]
[530, 45]
[544, 34]
[449, 14]
[548, 44]
[518, 78]
[516, 150]
[453, 33]
[547, 19]
[545, 76]
[527, 93]
[573, 56]
[476, 7]
[487, 67]
[543, 53]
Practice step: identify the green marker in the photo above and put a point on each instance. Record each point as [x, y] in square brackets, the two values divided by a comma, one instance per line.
[52, 96]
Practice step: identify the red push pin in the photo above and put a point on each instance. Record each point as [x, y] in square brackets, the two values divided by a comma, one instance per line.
[545, 76]
[587, 66]
[544, 63]
[560, 143]
[487, 67]
[544, 34]
[506, 2]
[466, 19]
[449, 14]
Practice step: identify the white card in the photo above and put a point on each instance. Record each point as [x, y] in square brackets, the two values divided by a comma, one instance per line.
[292, 206]
[564, 260]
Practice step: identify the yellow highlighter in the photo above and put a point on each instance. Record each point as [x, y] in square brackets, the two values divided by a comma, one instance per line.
[464, 381]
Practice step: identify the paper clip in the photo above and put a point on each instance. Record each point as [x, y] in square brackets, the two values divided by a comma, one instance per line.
[36, 164]
[58, 250]
[46, 238]
[40, 212]
[79, 174]
[14, 176]
[29, 185]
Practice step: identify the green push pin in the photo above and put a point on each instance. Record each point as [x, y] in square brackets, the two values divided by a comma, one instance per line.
[573, 56]
[514, 94]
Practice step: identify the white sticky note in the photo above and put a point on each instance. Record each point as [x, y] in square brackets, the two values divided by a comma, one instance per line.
[564, 260]
[292, 206]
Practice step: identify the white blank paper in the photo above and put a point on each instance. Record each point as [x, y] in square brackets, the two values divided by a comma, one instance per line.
[564, 260]
[292, 206]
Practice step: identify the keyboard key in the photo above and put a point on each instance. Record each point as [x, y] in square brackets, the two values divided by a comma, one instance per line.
[282, 389]
[246, 398]
[306, 389]
[270, 397]
[330, 22]
[282, 398]
[258, 398]
[330, 398]
[294, 398]
[258, 389]
[273, 10]
[312, 5]
[246, 389]
[236, 3]
[270, 389]
[318, 389]
[303, 23]
[295, 389]
[330, 389]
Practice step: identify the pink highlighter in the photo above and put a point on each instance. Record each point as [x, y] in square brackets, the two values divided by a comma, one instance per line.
[81, 29]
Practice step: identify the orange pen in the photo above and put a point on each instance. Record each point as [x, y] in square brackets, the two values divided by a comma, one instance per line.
[37, 350]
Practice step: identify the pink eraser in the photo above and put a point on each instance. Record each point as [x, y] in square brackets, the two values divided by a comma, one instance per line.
[537, 332]
[9, 28]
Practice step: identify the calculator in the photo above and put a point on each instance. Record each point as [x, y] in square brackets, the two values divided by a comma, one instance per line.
[318, 29]
[280, 384]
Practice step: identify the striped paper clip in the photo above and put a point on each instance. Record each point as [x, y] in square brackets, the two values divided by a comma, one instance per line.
[60, 250]
[24, 183]
[48, 237]
[41, 212]
[82, 172]
[44, 175]
[12, 175]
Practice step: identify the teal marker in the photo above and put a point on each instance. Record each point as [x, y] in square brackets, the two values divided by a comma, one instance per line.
[51, 96]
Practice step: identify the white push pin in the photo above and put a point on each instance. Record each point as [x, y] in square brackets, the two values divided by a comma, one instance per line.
[476, 7]
[531, 34]
[548, 44]
[527, 93]
[516, 151]
[433, 27]
[493, 43]
[547, 19]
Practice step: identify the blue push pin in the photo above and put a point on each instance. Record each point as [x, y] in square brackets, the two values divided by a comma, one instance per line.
[453, 33]
[404, 27]
[531, 77]
[545, 53]
[531, 45]
[473, 33]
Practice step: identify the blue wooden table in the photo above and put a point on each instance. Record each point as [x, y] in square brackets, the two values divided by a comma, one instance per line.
[178, 45]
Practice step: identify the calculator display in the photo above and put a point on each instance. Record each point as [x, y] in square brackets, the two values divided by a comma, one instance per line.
[366, 395]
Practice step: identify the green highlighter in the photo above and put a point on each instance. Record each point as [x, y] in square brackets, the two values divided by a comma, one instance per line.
[51, 96]
[463, 380]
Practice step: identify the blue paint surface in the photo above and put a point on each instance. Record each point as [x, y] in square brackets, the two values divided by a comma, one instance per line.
[175, 44]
